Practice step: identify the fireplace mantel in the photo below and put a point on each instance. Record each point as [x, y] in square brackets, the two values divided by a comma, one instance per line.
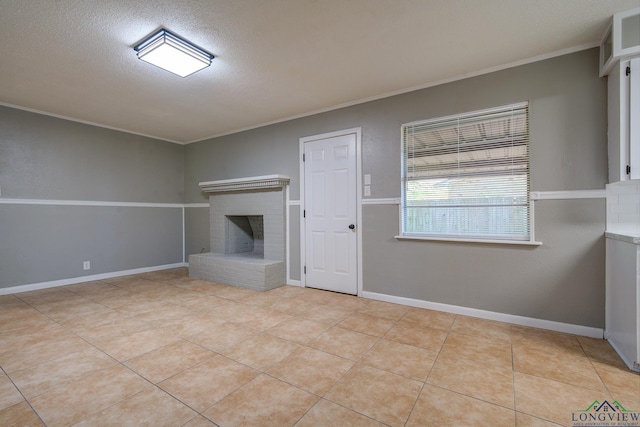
[252, 183]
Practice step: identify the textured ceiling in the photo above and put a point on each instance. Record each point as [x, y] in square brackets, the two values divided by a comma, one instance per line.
[275, 59]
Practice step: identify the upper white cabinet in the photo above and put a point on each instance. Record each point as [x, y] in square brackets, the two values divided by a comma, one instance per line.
[620, 61]
[621, 40]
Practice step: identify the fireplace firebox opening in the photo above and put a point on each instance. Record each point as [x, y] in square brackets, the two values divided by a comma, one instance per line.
[244, 234]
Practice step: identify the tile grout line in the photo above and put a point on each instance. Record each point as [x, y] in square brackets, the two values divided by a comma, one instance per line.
[594, 368]
[122, 364]
[355, 363]
[426, 380]
[23, 396]
[317, 302]
[513, 376]
[155, 386]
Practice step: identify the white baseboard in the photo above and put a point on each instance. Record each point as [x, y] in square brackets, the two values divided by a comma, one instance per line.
[491, 315]
[81, 279]
[466, 311]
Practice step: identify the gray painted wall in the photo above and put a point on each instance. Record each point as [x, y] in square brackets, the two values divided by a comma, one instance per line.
[294, 242]
[563, 280]
[45, 243]
[48, 158]
[196, 231]
[44, 157]
[568, 129]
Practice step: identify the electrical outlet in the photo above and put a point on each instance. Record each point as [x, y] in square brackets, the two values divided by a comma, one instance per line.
[86, 265]
[367, 190]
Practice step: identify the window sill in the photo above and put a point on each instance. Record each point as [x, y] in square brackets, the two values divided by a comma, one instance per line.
[452, 239]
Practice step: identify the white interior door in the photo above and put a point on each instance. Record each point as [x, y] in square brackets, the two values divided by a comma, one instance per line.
[330, 213]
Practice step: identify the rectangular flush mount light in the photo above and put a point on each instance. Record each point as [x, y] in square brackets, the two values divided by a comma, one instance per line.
[168, 51]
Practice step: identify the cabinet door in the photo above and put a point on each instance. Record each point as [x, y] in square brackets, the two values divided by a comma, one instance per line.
[634, 119]
[624, 120]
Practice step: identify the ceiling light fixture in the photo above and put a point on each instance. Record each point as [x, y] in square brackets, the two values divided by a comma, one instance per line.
[169, 52]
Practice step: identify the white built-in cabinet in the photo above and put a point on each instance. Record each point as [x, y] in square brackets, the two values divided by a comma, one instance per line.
[623, 298]
[620, 61]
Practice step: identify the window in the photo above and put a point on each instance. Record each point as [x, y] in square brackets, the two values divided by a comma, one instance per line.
[466, 177]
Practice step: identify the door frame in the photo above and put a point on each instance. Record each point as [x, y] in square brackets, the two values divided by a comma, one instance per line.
[303, 249]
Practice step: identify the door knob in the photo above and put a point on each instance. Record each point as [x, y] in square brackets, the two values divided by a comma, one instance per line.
[352, 226]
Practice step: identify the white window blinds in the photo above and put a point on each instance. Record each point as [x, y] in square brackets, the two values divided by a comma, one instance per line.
[467, 176]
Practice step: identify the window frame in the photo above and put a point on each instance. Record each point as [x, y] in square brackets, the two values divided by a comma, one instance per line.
[402, 235]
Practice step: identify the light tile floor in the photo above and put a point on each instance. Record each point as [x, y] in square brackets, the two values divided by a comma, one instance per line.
[163, 349]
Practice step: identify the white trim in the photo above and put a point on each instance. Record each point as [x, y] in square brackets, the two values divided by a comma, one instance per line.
[388, 201]
[287, 237]
[88, 203]
[184, 237]
[532, 218]
[551, 325]
[606, 64]
[303, 230]
[358, 133]
[292, 282]
[567, 194]
[634, 240]
[244, 180]
[49, 202]
[86, 122]
[456, 239]
[82, 279]
[463, 76]
[250, 183]
[293, 203]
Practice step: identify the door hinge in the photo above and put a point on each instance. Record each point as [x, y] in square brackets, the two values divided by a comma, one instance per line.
[304, 213]
[628, 170]
[303, 158]
[628, 71]
[305, 269]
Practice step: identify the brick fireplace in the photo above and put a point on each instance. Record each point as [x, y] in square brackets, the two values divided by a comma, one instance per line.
[247, 232]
